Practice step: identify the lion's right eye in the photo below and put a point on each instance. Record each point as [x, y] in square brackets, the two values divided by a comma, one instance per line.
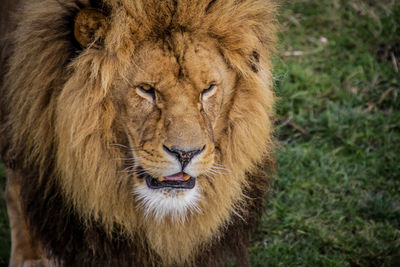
[208, 92]
[147, 92]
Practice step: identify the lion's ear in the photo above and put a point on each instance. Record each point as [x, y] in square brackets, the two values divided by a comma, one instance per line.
[90, 27]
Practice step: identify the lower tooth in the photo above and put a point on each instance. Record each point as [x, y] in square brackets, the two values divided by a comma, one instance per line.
[161, 179]
[186, 177]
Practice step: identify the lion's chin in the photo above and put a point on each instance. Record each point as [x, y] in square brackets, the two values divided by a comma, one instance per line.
[166, 202]
[175, 196]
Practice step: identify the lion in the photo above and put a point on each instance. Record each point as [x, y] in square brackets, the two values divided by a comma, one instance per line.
[136, 133]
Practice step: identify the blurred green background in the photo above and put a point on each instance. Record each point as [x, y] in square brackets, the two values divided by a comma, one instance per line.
[336, 198]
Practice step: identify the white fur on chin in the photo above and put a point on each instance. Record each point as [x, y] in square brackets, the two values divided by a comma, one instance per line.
[176, 203]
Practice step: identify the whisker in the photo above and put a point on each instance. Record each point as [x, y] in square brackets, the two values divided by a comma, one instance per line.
[220, 167]
[127, 159]
[123, 146]
[139, 173]
[208, 176]
[214, 171]
[128, 169]
[218, 171]
[116, 144]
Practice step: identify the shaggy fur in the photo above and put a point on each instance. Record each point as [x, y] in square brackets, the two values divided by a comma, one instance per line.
[72, 124]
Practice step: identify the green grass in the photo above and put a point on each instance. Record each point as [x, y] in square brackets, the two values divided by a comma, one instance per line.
[335, 200]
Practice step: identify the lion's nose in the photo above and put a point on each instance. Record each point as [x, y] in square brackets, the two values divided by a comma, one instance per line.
[184, 156]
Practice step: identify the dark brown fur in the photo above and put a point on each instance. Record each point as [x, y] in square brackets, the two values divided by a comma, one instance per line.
[64, 237]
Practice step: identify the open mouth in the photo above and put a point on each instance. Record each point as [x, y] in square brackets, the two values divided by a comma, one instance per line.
[179, 180]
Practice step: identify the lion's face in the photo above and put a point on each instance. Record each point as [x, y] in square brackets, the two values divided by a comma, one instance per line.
[173, 100]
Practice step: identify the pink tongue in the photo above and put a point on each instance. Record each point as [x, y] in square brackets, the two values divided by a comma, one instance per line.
[175, 177]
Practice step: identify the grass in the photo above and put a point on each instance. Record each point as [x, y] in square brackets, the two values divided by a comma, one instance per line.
[336, 198]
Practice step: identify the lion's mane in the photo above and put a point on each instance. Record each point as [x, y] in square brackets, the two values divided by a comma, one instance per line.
[74, 193]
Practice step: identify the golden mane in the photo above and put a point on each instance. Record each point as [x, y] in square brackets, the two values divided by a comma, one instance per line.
[60, 118]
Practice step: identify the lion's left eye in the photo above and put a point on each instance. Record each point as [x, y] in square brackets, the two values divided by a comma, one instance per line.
[147, 92]
[209, 91]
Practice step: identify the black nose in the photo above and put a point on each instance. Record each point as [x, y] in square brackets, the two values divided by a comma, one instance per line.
[184, 156]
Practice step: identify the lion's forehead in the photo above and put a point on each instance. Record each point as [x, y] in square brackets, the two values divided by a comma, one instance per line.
[165, 66]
